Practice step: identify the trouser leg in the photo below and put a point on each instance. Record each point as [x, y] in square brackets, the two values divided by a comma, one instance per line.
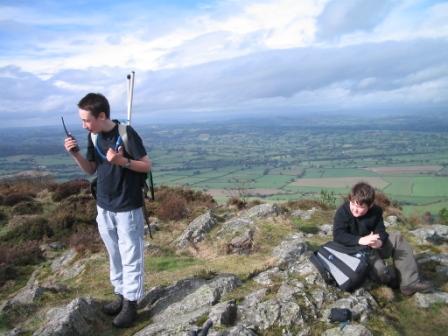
[404, 260]
[378, 268]
[397, 248]
[130, 229]
[108, 232]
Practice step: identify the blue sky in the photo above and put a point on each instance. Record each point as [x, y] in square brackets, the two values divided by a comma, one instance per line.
[200, 60]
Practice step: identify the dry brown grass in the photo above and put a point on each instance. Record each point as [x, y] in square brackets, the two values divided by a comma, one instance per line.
[64, 190]
[176, 203]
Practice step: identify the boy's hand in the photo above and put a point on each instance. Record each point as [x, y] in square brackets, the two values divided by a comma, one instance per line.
[115, 157]
[71, 145]
[371, 240]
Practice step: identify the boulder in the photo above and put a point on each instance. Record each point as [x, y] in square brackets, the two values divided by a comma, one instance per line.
[260, 314]
[196, 230]
[289, 249]
[80, 317]
[434, 234]
[224, 313]
[236, 225]
[263, 210]
[242, 244]
[326, 230]
[426, 300]
[304, 214]
[352, 329]
[174, 310]
[360, 303]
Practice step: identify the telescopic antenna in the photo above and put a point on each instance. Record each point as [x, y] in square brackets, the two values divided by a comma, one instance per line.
[130, 77]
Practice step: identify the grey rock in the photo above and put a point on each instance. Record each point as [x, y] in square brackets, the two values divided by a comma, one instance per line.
[175, 309]
[56, 245]
[241, 245]
[304, 214]
[434, 234]
[266, 278]
[263, 210]
[236, 225]
[224, 313]
[80, 317]
[272, 312]
[360, 303]
[289, 250]
[259, 314]
[352, 329]
[326, 230]
[390, 221]
[441, 259]
[63, 261]
[426, 300]
[15, 332]
[238, 330]
[196, 230]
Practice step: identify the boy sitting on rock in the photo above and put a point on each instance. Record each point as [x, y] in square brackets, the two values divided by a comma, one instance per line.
[360, 222]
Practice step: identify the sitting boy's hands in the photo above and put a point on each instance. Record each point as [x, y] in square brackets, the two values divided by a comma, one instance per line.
[373, 240]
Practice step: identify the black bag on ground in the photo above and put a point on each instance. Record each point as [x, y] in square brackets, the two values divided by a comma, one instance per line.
[342, 266]
[340, 315]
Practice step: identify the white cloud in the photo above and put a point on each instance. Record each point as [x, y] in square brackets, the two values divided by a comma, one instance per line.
[227, 56]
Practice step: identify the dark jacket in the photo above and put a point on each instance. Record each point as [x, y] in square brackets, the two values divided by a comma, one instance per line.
[348, 229]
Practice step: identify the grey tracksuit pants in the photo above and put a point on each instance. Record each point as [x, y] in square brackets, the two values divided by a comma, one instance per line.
[403, 259]
[122, 233]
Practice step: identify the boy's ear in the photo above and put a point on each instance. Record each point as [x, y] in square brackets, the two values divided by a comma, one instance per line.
[102, 116]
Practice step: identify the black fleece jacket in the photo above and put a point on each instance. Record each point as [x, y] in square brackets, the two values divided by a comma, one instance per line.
[348, 229]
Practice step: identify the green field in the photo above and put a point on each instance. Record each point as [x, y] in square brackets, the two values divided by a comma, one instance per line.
[275, 160]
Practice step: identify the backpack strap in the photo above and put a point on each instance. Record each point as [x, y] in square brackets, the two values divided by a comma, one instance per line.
[326, 275]
[123, 132]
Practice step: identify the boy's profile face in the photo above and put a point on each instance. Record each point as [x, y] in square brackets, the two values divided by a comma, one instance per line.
[89, 122]
[358, 210]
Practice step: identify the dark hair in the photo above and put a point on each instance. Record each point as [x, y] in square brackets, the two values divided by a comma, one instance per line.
[95, 103]
[362, 193]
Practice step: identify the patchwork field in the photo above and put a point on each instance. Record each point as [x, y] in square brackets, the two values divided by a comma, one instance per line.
[340, 182]
[406, 169]
[274, 160]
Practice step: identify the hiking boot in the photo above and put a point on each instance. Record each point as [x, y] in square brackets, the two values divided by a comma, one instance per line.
[127, 316]
[114, 307]
[419, 286]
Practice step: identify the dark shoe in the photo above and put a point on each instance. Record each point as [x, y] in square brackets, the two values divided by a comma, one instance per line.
[393, 280]
[419, 286]
[114, 307]
[127, 316]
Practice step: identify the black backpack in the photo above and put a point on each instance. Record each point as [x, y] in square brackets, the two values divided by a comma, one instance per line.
[342, 266]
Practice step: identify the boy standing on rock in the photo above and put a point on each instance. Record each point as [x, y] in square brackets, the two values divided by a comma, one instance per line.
[360, 222]
[120, 219]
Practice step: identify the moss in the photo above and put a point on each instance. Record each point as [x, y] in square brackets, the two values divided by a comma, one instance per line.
[405, 318]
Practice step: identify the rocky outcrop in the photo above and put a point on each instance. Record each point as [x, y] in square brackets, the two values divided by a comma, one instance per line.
[290, 249]
[304, 214]
[196, 230]
[426, 300]
[242, 244]
[236, 225]
[286, 293]
[263, 210]
[81, 317]
[434, 234]
[353, 329]
[175, 309]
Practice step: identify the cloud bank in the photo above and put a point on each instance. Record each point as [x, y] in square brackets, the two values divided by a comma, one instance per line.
[204, 59]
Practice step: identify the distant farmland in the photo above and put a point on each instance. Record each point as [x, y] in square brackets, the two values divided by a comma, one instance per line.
[340, 182]
[274, 161]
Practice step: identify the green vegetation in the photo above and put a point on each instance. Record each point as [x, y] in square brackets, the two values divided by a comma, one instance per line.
[277, 159]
